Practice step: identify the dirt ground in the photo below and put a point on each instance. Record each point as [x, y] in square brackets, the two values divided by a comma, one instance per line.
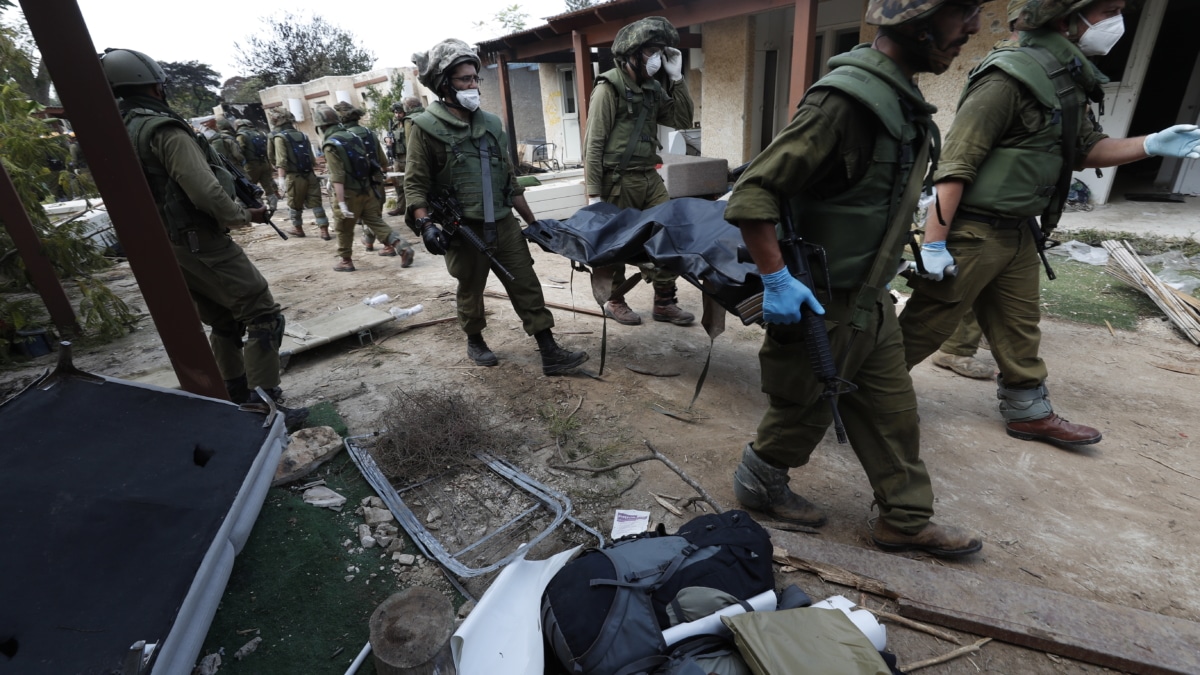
[1109, 523]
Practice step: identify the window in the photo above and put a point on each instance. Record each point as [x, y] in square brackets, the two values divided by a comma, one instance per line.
[568, 79]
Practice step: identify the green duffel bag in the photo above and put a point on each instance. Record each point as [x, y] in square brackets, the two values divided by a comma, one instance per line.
[804, 641]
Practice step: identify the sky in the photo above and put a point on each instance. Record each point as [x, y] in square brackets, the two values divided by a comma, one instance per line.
[171, 30]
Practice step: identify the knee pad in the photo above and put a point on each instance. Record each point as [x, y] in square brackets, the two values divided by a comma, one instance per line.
[231, 334]
[1020, 405]
[267, 330]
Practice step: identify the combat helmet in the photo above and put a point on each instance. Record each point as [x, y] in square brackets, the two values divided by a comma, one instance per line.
[398, 107]
[125, 67]
[1014, 10]
[223, 124]
[445, 56]
[279, 116]
[324, 116]
[348, 112]
[1038, 13]
[242, 124]
[650, 30]
[896, 12]
[411, 103]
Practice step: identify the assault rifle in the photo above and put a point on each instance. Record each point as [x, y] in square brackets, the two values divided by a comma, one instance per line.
[248, 193]
[447, 211]
[1042, 241]
[797, 254]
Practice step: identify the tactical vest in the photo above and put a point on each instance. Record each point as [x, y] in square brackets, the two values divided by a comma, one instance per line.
[399, 136]
[299, 150]
[851, 225]
[370, 143]
[226, 145]
[178, 212]
[645, 151]
[254, 144]
[461, 168]
[1019, 180]
[354, 158]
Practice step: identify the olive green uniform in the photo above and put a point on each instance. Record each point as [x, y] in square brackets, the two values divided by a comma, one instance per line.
[965, 339]
[999, 268]
[258, 169]
[360, 191]
[227, 146]
[617, 102]
[303, 187]
[371, 228]
[231, 295]
[426, 169]
[837, 163]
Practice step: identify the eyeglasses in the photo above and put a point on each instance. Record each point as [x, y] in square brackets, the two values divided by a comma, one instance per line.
[968, 11]
[468, 79]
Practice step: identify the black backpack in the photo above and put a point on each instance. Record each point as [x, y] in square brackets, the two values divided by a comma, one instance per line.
[604, 612]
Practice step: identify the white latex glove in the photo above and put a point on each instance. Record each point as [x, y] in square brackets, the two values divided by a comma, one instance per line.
[345, 210]
[1181, 140]
[593, 200]
[281, 185]
[673, 63]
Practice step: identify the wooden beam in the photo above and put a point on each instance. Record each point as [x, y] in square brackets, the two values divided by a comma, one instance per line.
[316, 94]
[374, 80]
[506, 108]
[583, 81]
[804, 56]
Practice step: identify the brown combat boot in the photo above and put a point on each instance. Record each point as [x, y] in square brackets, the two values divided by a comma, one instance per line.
[618, 311]
[388, 251]
[368, 240]
[395, 212]
[967, 366]
[666, 308]
[943, 541]
[1054, 430]
[406, 257]
[346, 265]
[325, 234]
[296, 231]
[761, 486]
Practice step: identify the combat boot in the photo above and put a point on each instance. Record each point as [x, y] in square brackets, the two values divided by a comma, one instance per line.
[618, 311]
[1054, 430]
[761, 486]
[666, 307]
[943, 541]
[555, 359]
[478, 351]
[293, 418]
[238, 390]
[967, 366]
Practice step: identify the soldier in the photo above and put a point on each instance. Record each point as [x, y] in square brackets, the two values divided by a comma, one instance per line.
[481, 176]
[860, 133]
[1008, 157]
[410, 108]
[356, 186]
[396, 139]
[225, 144]
[194, 194]
[257, 167]
[290, 152]
[621, 144]
[350, 117]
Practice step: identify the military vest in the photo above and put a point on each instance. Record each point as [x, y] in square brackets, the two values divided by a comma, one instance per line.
[399, 131]
[852, 225]
[649, 96]
[299, 150]
[226, 145]
[1019, 180]
[178, 212]
[353, 154]
[460, 165]
[370, 143]
[254, 145]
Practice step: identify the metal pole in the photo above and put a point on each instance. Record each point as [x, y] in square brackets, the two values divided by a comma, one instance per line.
[66, 46]
[41, 272]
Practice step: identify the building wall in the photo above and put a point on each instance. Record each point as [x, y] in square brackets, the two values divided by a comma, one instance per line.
[727, 91]
[302, 99]
[525, 83]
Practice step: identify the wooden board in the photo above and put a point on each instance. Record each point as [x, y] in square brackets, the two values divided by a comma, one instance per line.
[303, 335]
[1097, 632]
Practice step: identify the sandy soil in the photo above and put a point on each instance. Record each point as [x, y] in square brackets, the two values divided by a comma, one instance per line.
[1107, 523]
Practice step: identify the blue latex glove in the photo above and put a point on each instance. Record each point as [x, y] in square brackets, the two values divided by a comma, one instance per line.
[1181, 140]
[784, 295]
[936, 260]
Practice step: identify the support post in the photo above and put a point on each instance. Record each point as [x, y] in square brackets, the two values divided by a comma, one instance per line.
[804, 41]
[41, 272]
[584, 82]
[506, 107]
[66, 45]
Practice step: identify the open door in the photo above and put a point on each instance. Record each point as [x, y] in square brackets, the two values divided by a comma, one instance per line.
[1183, 175]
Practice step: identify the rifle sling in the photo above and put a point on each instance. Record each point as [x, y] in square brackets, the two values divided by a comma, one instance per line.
[1064, 85]
[638, 125]
[489, 209]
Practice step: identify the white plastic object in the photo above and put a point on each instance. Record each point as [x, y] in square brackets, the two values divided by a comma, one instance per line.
[712, 625]
[374, 300]
[404, 313]
[861, 618]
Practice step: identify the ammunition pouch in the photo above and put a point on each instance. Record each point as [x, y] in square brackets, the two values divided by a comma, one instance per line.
[267, 330]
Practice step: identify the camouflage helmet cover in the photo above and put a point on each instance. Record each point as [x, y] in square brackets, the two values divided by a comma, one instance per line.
[224, 124]
[348, 112]
[1014, 10]
[280, 115]
[324, 116]
[433, 65]
[1038, 13]
[411, 103]
[123, 67]
[896, 12]
[242, 124]
[650, 30]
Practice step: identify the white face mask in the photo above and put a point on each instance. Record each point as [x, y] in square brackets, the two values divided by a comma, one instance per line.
[468, 98]
[653, 64]
[1099, 38]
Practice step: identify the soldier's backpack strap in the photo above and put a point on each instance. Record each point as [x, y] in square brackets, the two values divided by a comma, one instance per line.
[1064, 85]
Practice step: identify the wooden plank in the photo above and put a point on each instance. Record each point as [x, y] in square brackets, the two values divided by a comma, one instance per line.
[553, 305]
[1058, 623]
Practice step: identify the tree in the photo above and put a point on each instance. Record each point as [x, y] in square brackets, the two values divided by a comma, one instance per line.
[380, 111]
[293, 51]
[576, 5]
[21, 62]
[239, 89]
[190, 88]
[508, 20]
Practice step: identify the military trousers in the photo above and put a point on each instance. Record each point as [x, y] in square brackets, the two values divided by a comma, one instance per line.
[965, 339]
[638, 189]
[366, 209]
[880, 416]
[231, 297]
[470, 267]
[304, 192]
[260, 173]
[999, 274]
